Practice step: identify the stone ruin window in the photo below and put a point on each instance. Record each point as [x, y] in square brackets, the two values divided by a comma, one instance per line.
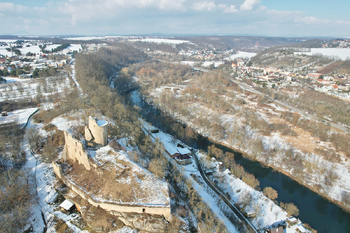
[143, 210]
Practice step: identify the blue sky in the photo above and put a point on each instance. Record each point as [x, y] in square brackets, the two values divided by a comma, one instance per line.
[298, 18]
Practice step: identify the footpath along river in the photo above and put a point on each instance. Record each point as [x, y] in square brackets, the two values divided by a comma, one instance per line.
[318, 212]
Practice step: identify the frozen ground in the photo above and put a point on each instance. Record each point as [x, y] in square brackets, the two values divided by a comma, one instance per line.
[35, 49]
[342, 53]
[216, 63]
[164, 41]
[91, 37]
[22, 89]
[241, 54]
[154, 191]
[46, 194]
[19, 116]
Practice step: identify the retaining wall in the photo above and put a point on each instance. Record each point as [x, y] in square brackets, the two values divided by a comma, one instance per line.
[112, 207]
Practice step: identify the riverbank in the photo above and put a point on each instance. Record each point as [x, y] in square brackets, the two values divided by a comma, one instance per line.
[251, 158]
[321, 214]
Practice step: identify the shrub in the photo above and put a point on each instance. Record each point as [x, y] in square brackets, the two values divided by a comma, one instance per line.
[290, 208]
[270, 193]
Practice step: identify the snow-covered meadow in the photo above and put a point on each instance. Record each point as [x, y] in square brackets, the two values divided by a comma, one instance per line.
[164, 41]
[342, 53]
[241, 54]
[33, 47]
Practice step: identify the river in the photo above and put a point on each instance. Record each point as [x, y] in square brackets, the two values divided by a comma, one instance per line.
[319, 213]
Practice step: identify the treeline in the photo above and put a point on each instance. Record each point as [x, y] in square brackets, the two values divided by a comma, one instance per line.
[61, 47]
[16, 183]
[321, 104]
[155, 73]
[155, 46]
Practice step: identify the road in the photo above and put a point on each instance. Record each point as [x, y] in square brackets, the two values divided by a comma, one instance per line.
[299, 111]
[223, 197]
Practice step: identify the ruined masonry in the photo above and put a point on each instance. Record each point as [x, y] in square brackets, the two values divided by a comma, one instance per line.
[97, 131]
[96, 134]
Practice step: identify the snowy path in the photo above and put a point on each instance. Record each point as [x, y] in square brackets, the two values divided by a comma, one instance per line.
[43, 212]
[223, 198]
[209, 198]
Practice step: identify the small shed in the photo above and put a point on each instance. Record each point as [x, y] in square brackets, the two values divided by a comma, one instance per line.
[4, 113]
[66, 205]
[184, 151]
[292, 221]
[250, 212]
[301, 229]
[276, 230]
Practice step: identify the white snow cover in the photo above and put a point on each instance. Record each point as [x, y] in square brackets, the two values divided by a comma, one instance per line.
[20, 116]
[274, 141]
[342, 53]
[149, 184]
[241, 54]
[269, 213]
[66, 204]
[216, 63]
[164, 41]
[91, 37]
[101, 122]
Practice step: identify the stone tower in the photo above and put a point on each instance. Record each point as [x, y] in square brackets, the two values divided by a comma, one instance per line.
[97, 131]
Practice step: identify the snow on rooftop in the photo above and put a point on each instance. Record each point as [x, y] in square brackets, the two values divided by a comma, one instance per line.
[184, 151]
[66, 205]
[101, 123]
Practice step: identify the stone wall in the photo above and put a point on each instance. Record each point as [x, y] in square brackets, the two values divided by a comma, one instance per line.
[74, 150]
[97, 133]
[112, 208]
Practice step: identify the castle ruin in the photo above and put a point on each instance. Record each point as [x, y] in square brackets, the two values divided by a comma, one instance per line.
[96, 134]
[97, 131]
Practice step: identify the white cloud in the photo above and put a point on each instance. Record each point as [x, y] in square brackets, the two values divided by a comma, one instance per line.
[342, 22]
[87, 10]
[312, 20]
[170, 4]
[5, 6]
[204, 6]
[248, 5]
[230, 9]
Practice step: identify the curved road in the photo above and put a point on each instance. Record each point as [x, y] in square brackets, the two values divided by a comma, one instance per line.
[228, 203]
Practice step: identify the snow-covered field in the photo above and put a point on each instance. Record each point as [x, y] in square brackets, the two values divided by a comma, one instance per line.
[190, 63]
[241, 54]
[35, 48]
[164, 41]
[19, 89]
[342, 53]
[216, 63]
[20, 116]
[25, 50]
[91, 37]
